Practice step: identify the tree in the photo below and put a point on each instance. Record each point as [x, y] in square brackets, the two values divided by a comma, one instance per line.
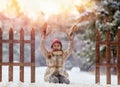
[105, 17]
[86, 23]
[108, 19]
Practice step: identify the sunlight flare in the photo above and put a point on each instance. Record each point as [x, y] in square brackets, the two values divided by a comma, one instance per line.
[47, 7]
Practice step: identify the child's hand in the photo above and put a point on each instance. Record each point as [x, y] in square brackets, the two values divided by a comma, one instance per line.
[72, 33]
[74, 30]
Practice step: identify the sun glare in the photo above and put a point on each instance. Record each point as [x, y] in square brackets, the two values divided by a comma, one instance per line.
[48, 7]
[78, 2]
[2, 4]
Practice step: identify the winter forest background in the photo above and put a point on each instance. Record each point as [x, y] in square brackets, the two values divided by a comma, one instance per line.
[88, 15]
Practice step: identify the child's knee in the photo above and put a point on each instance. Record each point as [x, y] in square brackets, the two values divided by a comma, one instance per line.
[54, 79]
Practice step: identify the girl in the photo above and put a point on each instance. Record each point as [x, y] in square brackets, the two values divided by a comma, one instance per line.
[55, 59]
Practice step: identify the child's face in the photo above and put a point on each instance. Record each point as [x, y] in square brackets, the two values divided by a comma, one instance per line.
[56, 46]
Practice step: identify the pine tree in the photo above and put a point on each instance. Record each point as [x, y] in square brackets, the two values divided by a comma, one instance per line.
[86, 23]
[106, 17]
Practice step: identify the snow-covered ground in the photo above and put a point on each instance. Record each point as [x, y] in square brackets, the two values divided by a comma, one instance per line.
[77, 78]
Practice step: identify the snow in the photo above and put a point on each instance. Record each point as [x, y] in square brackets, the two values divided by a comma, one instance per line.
[77, 78]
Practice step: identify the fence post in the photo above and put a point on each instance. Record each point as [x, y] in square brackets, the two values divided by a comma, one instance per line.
[97, 78]
[21, 55]
[118, 55]
[108, 57]
[11, 54]
[0, 54]
[33, 55]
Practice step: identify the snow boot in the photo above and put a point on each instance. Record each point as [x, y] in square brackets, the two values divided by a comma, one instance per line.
[62, 79]
[66, 81]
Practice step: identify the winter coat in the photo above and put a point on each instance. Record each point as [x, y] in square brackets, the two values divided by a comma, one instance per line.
[55, 62]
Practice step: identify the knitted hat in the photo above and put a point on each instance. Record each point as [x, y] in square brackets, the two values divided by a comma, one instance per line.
[56, 41]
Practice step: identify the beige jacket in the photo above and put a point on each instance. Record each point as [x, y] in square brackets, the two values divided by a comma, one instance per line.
[58, 60]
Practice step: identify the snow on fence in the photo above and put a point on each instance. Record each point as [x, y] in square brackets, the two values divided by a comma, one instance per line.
[108, 43]
[11, 63]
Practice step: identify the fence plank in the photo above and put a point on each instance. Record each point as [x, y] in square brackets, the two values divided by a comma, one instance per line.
[108, 57]
[15, 41]
[118, 56]
[33, 55]
[97, 80]
[11, 55]
[21, 55]
[0, 55]
[17, 64]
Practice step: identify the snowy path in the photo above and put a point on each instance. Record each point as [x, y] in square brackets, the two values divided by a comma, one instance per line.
[77, 78]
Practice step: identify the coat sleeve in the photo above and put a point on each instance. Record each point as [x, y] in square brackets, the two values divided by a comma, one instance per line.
[68, 51]
[43, 49]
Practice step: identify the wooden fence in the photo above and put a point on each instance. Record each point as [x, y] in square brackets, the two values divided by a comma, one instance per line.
[11, 62]
[108, 43]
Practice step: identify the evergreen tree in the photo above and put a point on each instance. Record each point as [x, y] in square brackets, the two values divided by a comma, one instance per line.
[86, 23]
[105, 17]
[108, 19]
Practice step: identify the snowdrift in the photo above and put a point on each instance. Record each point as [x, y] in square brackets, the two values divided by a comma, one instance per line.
[77, 78]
